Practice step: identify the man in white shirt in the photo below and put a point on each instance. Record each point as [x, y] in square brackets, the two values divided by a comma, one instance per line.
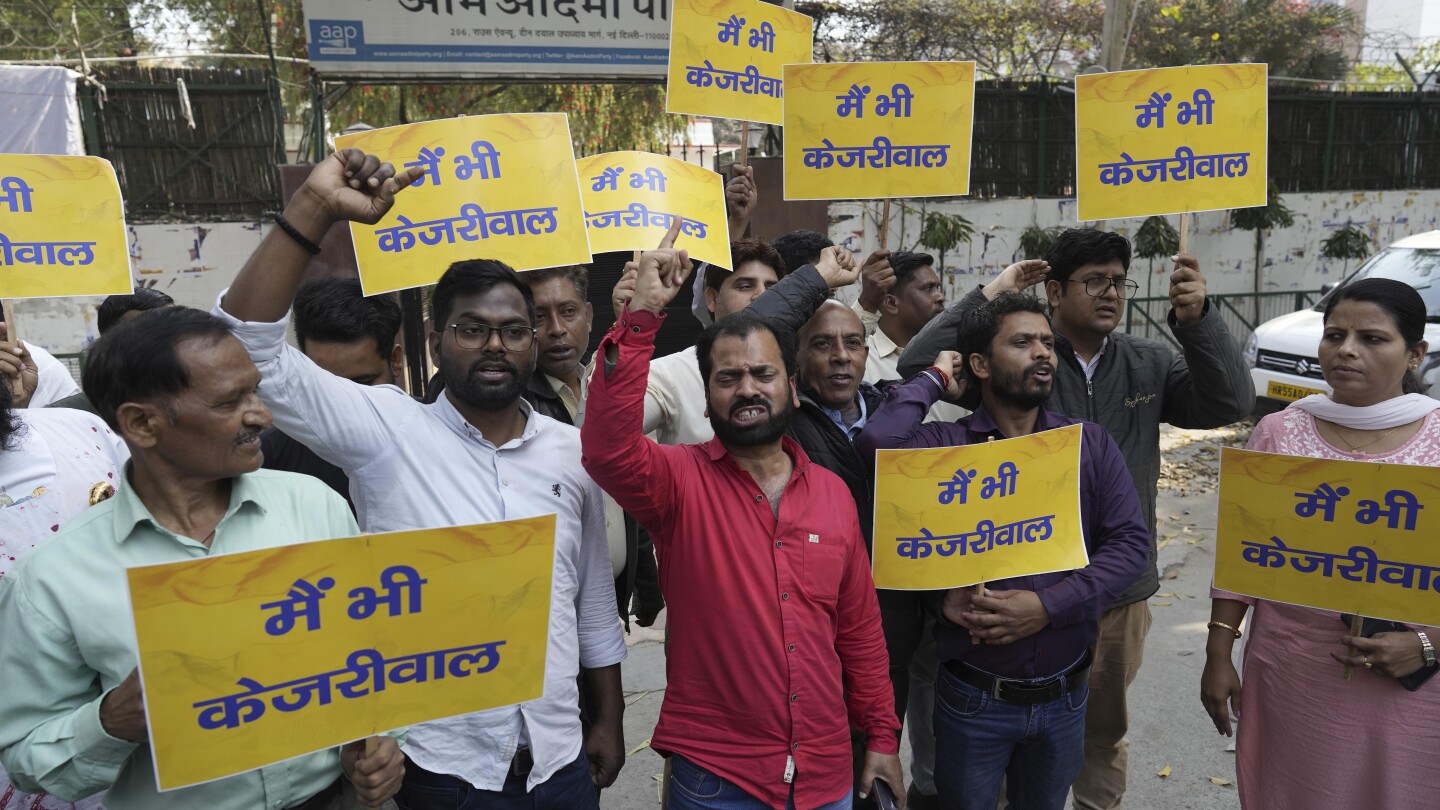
[477, 454]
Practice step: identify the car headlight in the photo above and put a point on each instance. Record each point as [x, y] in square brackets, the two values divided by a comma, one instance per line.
[1252, 350]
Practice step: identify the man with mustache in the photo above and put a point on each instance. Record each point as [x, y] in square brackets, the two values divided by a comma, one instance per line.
[178, 387]
[774, 623]
[478, 454]
[1014, 662]
[1129, 385]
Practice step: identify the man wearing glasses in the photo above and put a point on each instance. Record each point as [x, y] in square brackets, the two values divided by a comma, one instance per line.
[478, 454]
[1130, 385]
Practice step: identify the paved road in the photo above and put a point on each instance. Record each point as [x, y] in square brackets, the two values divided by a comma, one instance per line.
[1168, 726]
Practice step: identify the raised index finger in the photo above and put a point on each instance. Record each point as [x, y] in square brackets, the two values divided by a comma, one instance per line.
[670, 235]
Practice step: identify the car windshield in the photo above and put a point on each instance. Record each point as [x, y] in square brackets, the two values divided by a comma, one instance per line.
[1420, 268]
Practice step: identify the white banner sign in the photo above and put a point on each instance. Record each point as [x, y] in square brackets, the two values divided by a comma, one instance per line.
[485, 38]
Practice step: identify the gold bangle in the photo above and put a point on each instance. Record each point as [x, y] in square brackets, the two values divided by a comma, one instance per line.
[1223, 626]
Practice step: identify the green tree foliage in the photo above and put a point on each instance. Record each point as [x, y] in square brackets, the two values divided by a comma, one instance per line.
[1303, 40]
[1155, 239]
[1050, 37]
[1273, 214]
[42, 29]
[1004, 37]
[1346, 243]
[1035, 241]
[945, 232]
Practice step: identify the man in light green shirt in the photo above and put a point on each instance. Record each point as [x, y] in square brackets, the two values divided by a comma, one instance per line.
[181, 391]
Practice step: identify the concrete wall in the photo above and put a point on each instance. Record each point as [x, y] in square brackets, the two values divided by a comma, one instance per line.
[190, 262]
[1292, 255]
[194, 262]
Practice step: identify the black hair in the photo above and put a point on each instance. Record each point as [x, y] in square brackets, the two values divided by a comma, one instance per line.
[744, 251]
[799, 248]
[742, 324]
[137, 361]
[336, 310]
[114, 307]
[471, 278]
[980, 325]
[576, 274]
[1077, 247]
[905, 264]
[1404, 306]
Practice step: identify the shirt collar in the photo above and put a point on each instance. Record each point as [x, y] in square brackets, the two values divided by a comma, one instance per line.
[129, 511]
[445, 409]
[838, 417]
[981, 422]
[884, 346]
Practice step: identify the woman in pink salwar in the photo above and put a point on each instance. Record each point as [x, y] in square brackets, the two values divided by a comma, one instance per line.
[1308, 739]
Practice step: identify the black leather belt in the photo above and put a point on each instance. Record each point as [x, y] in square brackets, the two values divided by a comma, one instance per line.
[523, 763]
[1024, 693]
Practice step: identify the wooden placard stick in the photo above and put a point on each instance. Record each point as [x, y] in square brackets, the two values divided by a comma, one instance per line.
[744, 157]
[1185, 232]
[8, 314]
[1357, 626]
[979, 586]
[885, 225]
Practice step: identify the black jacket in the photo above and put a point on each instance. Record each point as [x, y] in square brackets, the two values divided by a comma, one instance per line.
[1137, 385]
[827, 445]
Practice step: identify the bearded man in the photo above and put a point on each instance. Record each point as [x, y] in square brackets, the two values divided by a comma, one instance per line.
[775, 629]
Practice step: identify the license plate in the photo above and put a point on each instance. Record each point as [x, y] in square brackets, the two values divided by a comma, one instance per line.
[1289, 393]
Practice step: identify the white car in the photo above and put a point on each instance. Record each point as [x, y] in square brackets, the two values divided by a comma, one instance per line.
[1283, 352]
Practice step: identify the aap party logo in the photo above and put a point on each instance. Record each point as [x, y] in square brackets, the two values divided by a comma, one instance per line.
[336, 37]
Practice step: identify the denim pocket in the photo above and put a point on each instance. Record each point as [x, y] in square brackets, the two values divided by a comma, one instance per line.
[694, 780]
[1076, 699]
[957, 698]
[416, 796]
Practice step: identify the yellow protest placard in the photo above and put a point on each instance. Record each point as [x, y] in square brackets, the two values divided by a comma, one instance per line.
[952, 516]
[872, 130]
[1170, 140]
[249, 659]
[62, 228]
[1351, 536]
[632, 198]
[494, 187]
[726, 57]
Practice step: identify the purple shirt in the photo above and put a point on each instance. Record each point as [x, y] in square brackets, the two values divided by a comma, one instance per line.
[1115, 533]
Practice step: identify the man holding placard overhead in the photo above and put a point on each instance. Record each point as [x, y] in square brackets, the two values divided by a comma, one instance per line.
[775, 629]
[1015, 661]
[1129, 385]
[478, 454]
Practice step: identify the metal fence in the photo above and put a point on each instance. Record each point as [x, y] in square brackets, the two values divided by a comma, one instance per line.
[1024, 143]
[187, 144]
[1241, 312]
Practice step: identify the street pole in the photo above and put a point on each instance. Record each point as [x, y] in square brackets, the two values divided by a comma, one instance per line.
[1115, 30]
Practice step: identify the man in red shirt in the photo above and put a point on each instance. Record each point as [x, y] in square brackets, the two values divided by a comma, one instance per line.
[774, 624]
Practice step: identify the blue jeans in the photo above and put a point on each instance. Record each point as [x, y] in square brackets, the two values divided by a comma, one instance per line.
[569, 788]
[694, 788]
[980, 740]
